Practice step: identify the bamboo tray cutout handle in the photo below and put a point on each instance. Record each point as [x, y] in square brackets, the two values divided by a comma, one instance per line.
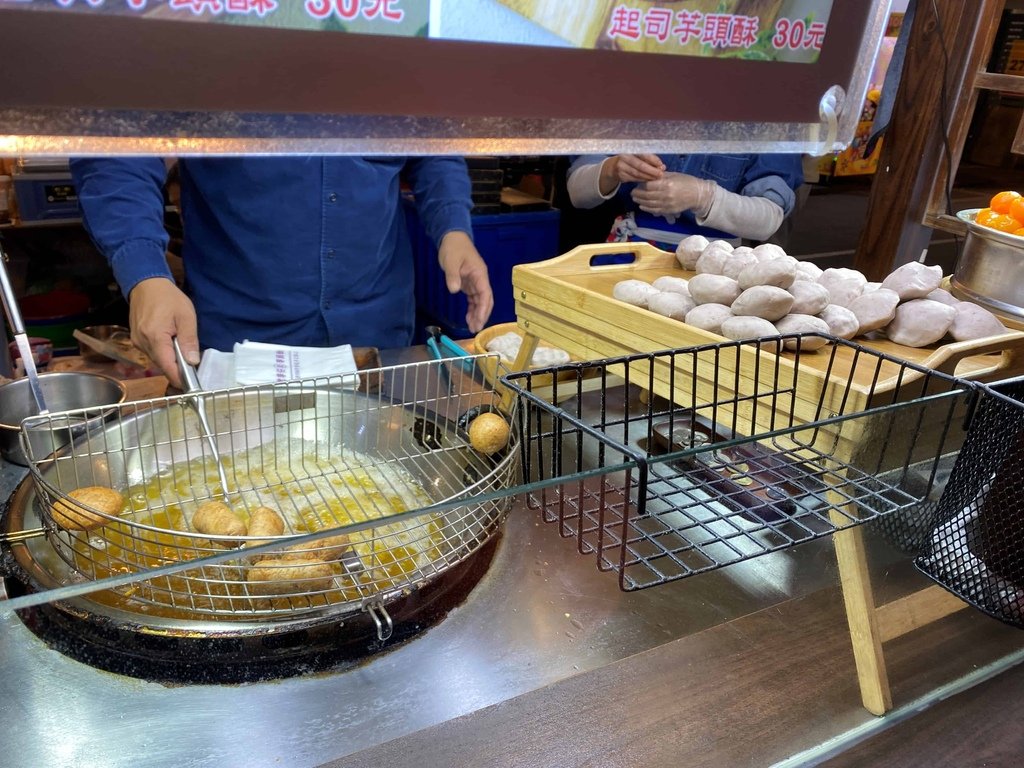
[581, 258]
[1011, 362]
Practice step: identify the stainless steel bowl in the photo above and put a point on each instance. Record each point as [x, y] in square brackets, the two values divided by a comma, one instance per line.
[62, 391]
[990, 271]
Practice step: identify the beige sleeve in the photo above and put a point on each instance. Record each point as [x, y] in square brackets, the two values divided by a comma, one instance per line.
[754, 218]
[584, 186]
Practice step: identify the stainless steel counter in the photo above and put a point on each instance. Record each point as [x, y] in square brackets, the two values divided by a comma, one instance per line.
[542, 614]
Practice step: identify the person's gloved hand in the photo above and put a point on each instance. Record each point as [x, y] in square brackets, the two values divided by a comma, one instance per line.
[157, 312]
[674, 193]
[626, 168]
[465, 270]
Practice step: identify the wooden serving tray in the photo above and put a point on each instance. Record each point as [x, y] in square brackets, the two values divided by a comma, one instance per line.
[567, 301]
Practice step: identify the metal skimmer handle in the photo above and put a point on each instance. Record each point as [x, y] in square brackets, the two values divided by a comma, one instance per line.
[20, 337]
[191, 386]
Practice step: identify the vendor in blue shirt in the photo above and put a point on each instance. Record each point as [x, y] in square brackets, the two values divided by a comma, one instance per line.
[672, 196]
[309, 251]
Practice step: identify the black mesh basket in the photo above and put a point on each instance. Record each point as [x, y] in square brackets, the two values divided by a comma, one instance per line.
[668, 464]
[975, 548]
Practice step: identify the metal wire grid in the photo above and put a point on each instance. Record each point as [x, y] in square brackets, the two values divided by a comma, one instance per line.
[975, 546]
[783, 460]
[323, 455]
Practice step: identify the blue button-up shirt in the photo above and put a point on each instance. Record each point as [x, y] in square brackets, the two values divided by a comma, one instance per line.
[306, 251]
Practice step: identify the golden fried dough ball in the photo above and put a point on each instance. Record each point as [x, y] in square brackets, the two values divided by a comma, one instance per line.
[83, 516]
[277, 577]
[488, 433]
[215, 518]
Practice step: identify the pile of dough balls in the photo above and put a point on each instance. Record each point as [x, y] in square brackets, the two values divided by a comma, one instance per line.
[507, 346]
[746, 293]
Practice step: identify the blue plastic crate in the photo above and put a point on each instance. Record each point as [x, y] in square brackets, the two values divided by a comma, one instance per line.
[504, 240]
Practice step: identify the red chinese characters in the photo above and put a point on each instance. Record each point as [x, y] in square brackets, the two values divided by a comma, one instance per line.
[658, 23]
[347, 10]
[259, 7]
[198, 7]
[714, 30]
[689, 25]
[797, 34]
[625, 23]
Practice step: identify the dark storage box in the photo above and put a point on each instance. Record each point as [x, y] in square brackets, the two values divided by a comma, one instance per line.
[46, 196]
[504, 240]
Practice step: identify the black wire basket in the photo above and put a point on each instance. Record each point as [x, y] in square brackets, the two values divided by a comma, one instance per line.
[975, 547]
[669, 464]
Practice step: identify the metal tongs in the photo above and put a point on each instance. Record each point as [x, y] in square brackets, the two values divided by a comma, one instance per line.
[190, 385]
[442, 347]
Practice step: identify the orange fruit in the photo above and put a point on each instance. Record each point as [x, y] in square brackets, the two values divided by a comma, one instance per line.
[984, 216]
[1017, 208]
[1000, 202]
[1004, 223]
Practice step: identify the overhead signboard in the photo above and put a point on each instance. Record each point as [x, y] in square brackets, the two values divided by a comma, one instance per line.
[430, 76]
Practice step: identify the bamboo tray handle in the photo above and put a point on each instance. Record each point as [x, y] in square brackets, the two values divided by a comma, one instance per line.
[579, 258]
[1011, 361]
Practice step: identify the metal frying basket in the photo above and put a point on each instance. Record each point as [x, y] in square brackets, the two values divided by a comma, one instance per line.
[383, 460]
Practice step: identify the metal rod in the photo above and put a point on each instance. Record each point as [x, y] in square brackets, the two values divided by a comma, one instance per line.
[192, 388]
[20, 337]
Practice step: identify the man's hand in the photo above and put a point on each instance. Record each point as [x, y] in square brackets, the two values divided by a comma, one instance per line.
[674, 193]
[626, 168]
[159, 311]
[465, 270]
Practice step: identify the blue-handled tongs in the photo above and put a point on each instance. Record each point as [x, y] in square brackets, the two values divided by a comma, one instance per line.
[442, 347]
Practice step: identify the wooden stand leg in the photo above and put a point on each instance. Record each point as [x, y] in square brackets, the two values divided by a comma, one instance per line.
[860, 612]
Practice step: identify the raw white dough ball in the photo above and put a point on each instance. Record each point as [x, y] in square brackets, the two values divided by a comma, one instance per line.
[672, 285]
[974, 322]
[920, 322]
[780, 272]
[745, 328]
[713, 289]
[689, 250]
[768, 251]
[766, 301]
[738, 260]
[913, 280]
[507, 346]
[870, 286]
[844, 285]
[713, 261]
[875, 309]
[809, 298]
[801, 323]
[717, 251]
[673, 305]
[635, 292]
[943, 296]
[547, 356]
[841, 321]
[708, 317]
[808, 270]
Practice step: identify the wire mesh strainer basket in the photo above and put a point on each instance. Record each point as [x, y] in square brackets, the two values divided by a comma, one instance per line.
[692, 477]
[384, 461]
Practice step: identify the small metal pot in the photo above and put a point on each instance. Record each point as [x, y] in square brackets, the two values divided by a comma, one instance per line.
[990, 271]
[62, 391]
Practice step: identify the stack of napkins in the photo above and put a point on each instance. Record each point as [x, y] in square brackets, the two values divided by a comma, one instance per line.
[253, 362]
